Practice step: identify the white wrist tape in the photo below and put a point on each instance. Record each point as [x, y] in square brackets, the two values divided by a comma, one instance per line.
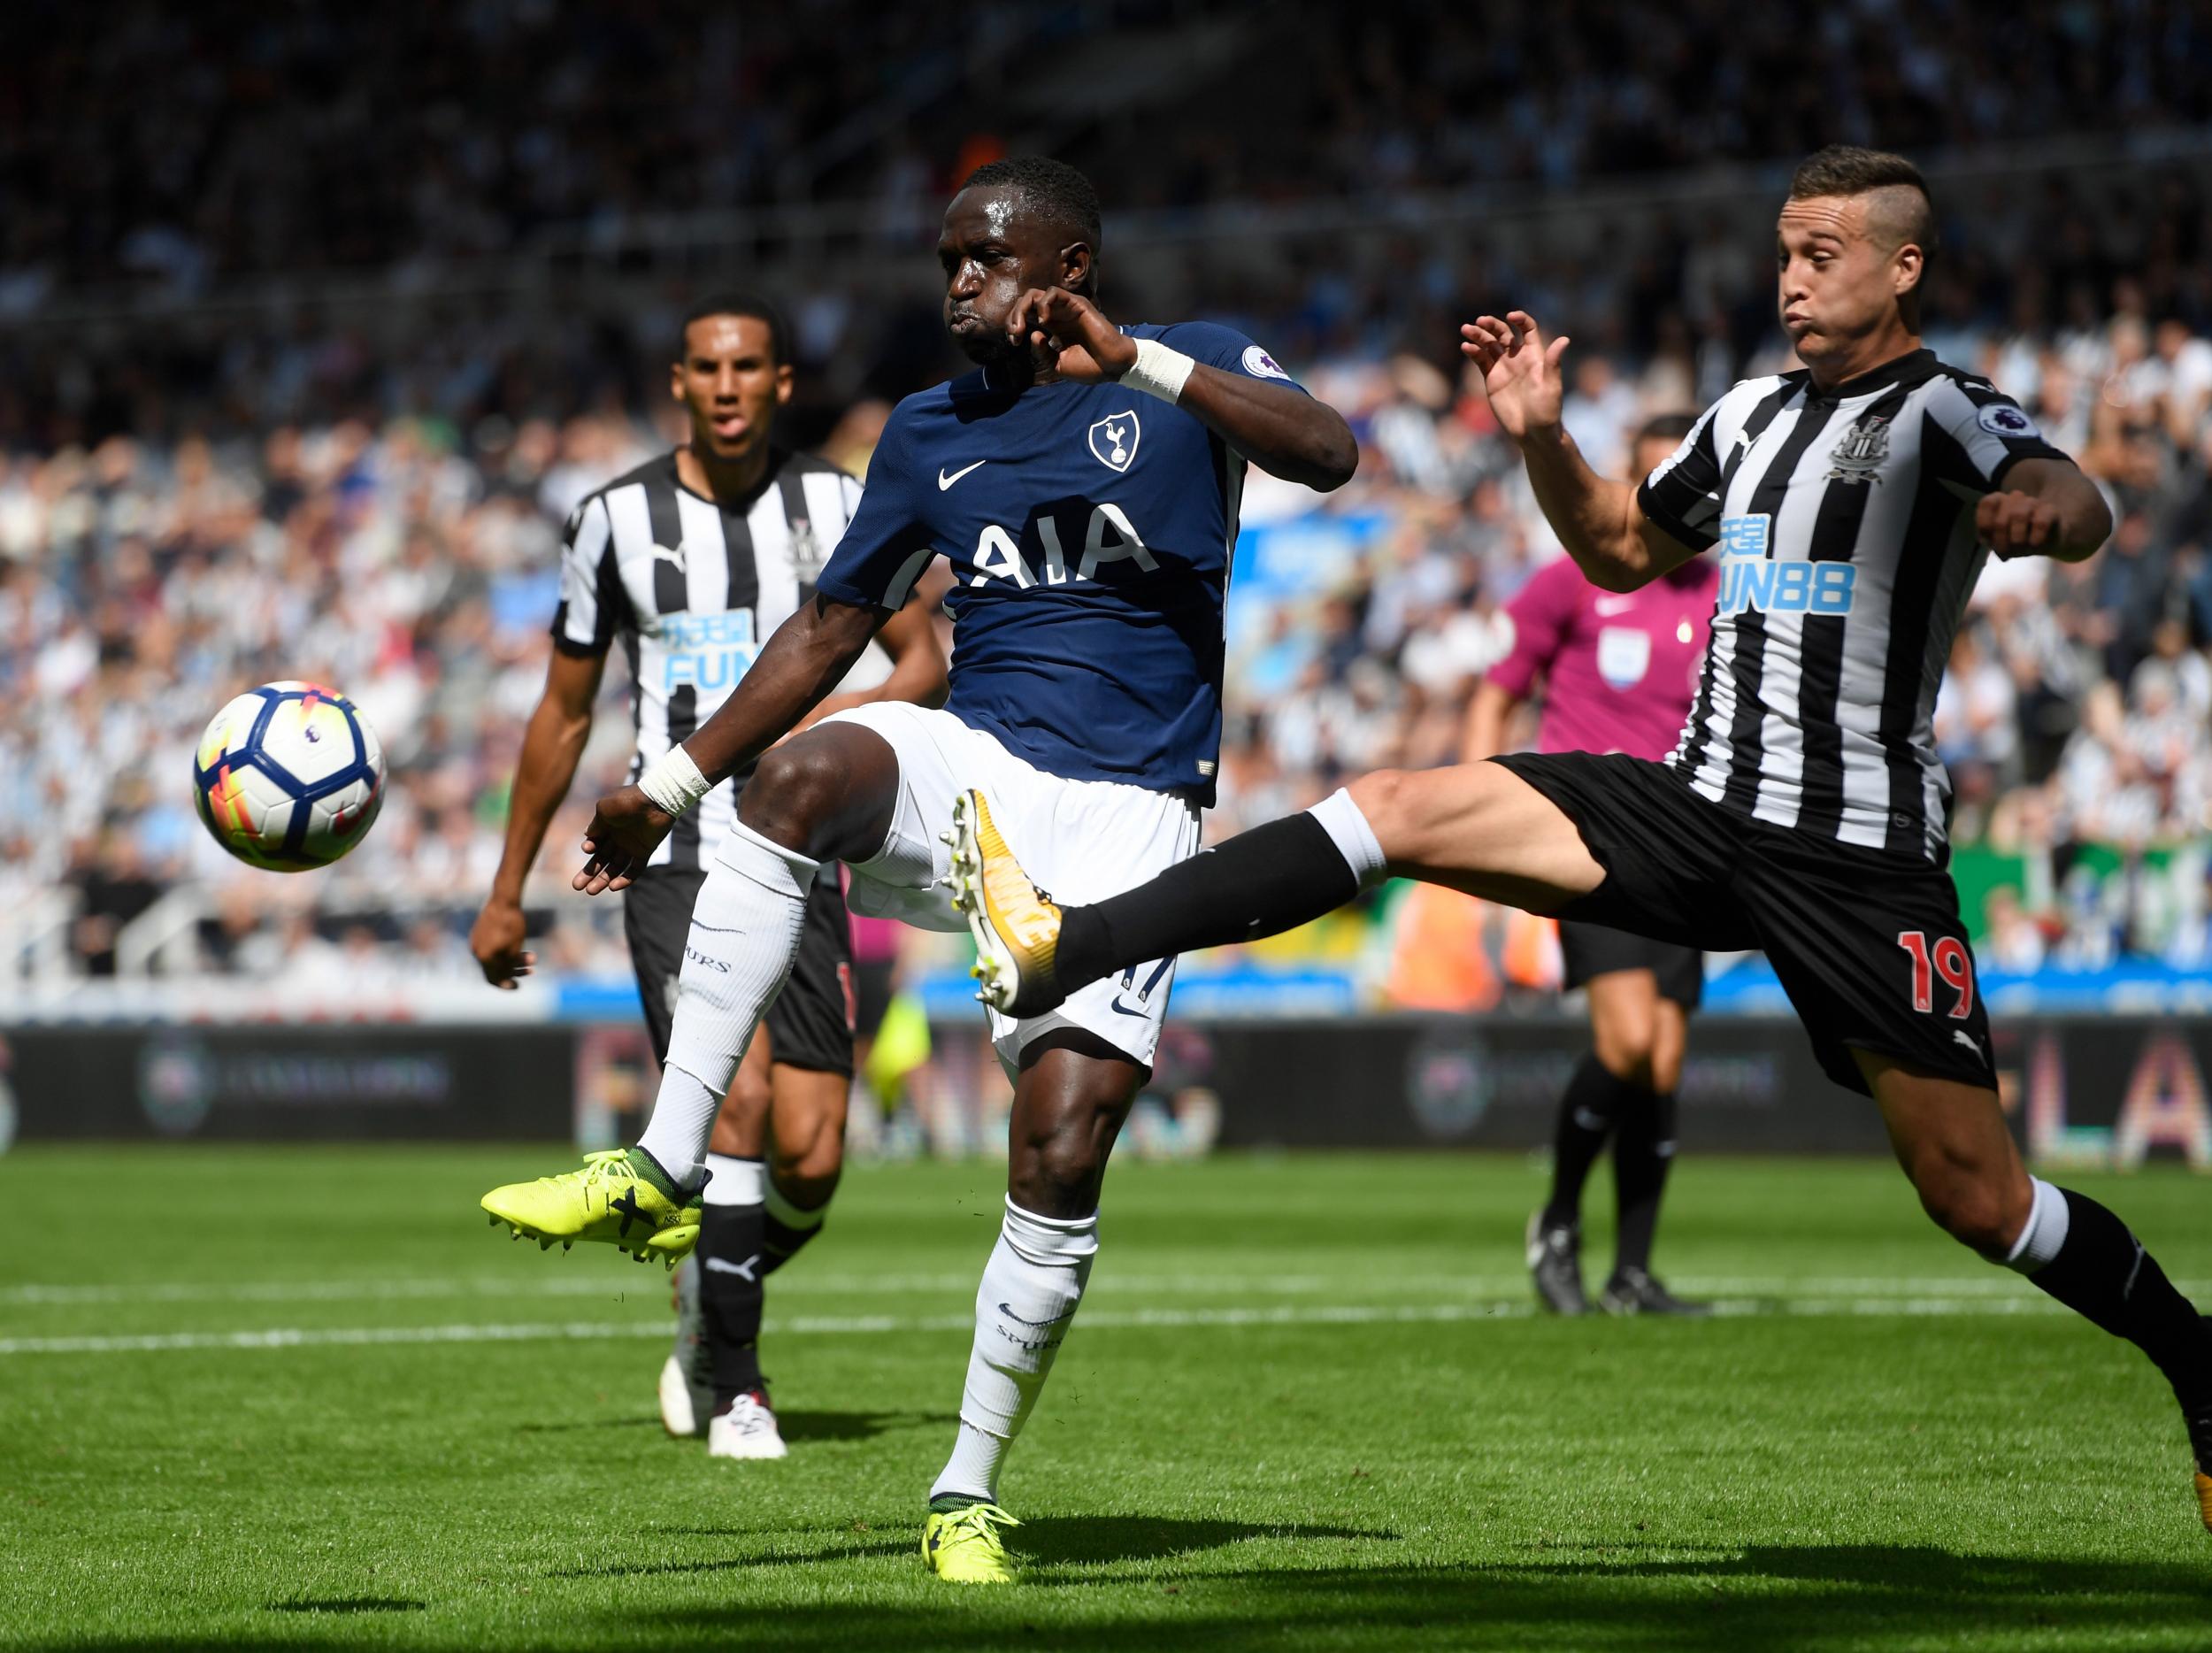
[1160, 371]
[673, 781]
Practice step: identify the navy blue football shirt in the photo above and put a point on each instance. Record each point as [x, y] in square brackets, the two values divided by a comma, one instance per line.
[1090, 528]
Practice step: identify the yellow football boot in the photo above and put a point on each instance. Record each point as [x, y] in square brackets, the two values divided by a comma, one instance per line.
[2204, 1498]
[962, 1546]
[613, 1199]
[1016, 926]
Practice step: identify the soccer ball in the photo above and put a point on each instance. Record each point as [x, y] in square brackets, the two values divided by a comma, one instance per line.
[288, 776]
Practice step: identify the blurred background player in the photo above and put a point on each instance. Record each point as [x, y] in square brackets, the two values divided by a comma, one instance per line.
[1618, 670]
[690, 560]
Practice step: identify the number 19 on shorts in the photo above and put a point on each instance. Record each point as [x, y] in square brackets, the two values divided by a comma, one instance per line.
[1947, 958]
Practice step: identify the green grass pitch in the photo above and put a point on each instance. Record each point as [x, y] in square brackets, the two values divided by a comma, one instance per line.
[306, 1398]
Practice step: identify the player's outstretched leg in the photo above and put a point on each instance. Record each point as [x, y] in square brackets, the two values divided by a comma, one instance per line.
[1953, 1141]
[831, 790]
[1478, 827]
[744, 933]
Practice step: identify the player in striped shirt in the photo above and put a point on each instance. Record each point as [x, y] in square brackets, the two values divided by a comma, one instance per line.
[1853, 502]
[689, 561]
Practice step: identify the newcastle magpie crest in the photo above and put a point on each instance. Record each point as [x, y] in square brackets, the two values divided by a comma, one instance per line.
[1859, 454]
[808, 554]
[1114, 440]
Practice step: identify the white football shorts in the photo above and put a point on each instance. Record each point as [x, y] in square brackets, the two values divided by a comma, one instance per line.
[1081, 840]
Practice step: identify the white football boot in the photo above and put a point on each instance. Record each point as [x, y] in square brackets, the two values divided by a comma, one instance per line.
[745, 1428]
[687, 1392]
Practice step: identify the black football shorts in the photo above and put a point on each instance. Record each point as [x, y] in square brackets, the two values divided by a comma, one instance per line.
[1592, 949]
[811, 1022]
[1869, 945]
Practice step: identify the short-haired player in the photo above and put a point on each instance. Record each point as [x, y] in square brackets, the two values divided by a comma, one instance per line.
[1084, 484]
[687, 561]
[1805, 810]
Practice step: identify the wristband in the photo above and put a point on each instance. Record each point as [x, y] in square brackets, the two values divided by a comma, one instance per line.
[1160, 371]
[673, 781]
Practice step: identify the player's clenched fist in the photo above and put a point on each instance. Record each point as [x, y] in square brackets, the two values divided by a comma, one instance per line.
[2012, 525]
[1067, 332]
[498, 940]
[626, 830]
[1520, 372]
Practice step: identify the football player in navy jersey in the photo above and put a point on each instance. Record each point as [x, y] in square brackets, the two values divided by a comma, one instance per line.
[1084, 484]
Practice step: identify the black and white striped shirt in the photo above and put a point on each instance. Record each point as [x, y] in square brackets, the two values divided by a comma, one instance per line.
[1846, 522]
[693, 588]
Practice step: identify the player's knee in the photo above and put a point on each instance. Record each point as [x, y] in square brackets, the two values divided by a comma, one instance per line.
[1385, 798]
[738, 1122]
[810, 1150]
[1627, 1049]
[1058, 1176]
[809, 1189]
[796, 789]
[1974, 1211]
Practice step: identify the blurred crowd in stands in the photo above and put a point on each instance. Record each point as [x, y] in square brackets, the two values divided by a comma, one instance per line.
[413, 564]
[215, 493]
[176, 146]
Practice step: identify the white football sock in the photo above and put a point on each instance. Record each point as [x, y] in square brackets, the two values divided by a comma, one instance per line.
[744, 934]
[734, 1181]
[1023, 1308]
[2045, 1231]
[1353, 837]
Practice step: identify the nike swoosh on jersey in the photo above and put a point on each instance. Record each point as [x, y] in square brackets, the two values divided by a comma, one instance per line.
[944, 482]
[1614, 605]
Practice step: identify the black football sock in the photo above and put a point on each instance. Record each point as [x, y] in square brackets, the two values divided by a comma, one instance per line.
[1272, 879]
[1588, 1108]
[730, 1295]
[2102, 1272]
[785, 1227]
[1643, 1148]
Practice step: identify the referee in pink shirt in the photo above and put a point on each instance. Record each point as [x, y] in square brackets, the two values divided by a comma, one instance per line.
[1618, 672]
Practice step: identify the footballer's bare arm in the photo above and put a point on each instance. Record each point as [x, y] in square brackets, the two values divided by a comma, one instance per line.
[2046, 507]
[1597, 519]
[800, 665]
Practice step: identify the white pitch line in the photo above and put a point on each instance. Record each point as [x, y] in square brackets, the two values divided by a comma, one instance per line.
[595, 1286]
[870, 1325]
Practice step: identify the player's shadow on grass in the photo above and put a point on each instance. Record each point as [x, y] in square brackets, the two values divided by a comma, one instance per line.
[806, 1425]
[1098, 1539]
[795, 1426]
[1809, 1599]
